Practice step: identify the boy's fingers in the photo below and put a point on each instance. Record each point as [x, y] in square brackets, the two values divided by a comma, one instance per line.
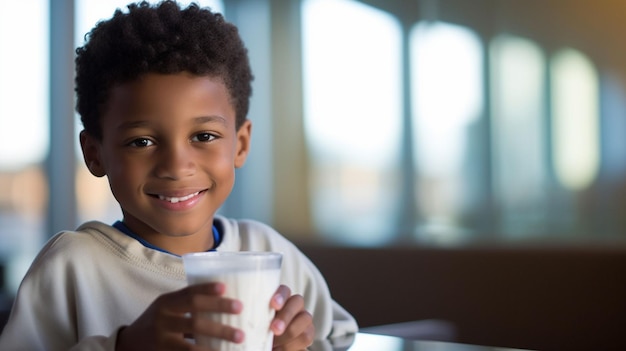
[176, 326]
[278, 300]
[299, 334]
[202, 297]
[284, 316]
[203, 303]
[205, 288]
[207, 327]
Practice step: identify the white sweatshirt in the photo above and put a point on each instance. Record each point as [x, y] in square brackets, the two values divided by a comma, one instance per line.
[84, 285]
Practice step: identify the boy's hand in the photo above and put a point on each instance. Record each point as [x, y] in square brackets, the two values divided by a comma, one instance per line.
[173, 316]
[293, 326]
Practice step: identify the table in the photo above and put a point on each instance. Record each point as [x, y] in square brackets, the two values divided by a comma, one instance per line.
[376, 342]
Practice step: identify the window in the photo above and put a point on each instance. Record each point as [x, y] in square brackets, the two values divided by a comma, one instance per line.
[504, 140]
[447, 100]
[519, 119]
[575, 125]
[352, 98]
[24, 133]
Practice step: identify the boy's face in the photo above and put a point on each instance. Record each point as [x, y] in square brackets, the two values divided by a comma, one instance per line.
[169, 149]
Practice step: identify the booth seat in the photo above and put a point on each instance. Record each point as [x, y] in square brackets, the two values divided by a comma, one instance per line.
[539, 298]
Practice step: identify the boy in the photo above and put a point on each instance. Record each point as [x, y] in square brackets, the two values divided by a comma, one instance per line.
[163, 95]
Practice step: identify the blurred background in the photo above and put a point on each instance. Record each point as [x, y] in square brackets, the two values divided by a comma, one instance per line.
[375, 123]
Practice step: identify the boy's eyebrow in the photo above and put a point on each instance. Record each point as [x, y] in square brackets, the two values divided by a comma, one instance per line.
[132, 124]
[196, 120]
[211, 118]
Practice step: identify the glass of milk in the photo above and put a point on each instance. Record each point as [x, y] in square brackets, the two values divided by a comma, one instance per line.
[250, 277]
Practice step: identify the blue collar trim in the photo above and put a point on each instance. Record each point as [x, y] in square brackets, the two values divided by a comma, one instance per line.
[119, 225]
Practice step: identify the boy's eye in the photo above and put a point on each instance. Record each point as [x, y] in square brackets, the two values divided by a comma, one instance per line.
[141, 142]
[203, 137]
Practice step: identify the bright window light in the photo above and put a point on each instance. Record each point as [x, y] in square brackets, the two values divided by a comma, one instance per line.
[517, 95]
[352, 89]
[575, 127]
[352, 110]
[378, 342]
[518, 134]
[24, 83]
[447, 95]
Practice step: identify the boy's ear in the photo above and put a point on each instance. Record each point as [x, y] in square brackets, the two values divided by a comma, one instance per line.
[91, 154]
[243, 143]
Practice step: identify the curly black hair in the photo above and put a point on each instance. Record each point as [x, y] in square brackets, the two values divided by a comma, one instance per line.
[162, 38]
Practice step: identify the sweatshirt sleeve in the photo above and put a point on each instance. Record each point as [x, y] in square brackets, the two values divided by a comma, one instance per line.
[34, 322]
[43, 316]
[28, 330]
[343, 322]
[330, 318]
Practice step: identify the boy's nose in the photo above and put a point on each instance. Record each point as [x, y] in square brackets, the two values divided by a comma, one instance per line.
[175, 162]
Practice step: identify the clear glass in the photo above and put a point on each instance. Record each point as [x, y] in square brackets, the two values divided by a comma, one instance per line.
[250, 277]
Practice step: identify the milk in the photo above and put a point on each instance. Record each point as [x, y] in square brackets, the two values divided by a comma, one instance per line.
[253, 285]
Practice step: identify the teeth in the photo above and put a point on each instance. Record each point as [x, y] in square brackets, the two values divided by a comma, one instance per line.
[178, 199]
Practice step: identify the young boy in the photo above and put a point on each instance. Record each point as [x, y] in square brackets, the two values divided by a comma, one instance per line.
[163, 95]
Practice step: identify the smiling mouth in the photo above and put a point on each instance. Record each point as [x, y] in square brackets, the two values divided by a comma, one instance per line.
[175, 200]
